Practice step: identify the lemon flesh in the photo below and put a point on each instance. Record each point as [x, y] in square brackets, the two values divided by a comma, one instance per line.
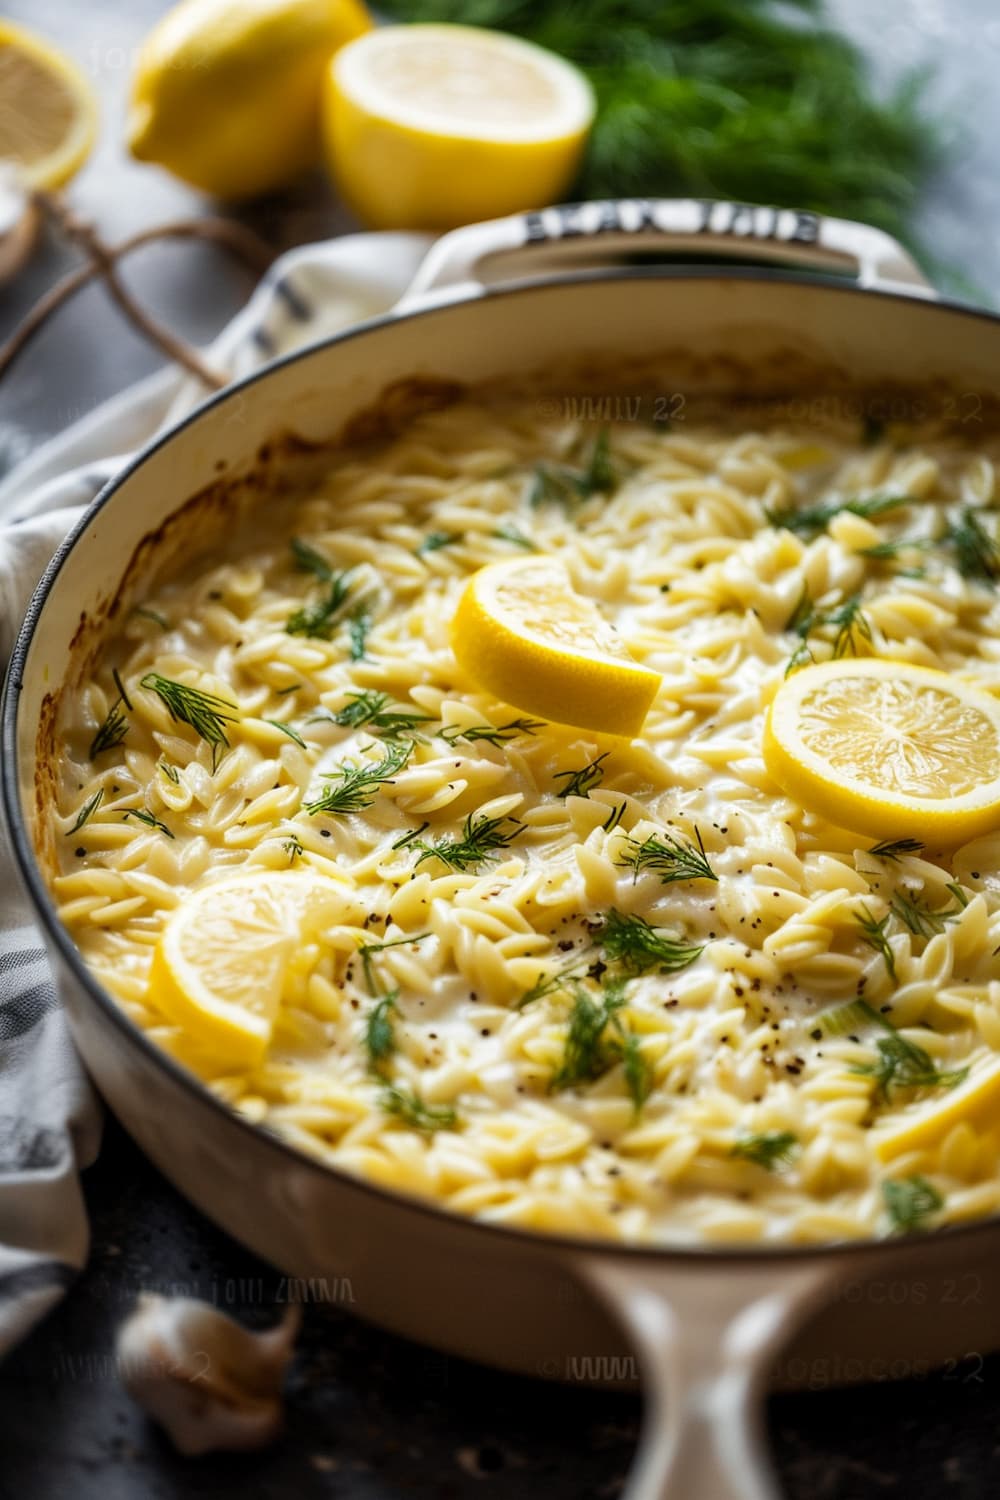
[49, 115]
[522, 633]
[221, 960]
[887, 749]
[432, 126]
[226, 93]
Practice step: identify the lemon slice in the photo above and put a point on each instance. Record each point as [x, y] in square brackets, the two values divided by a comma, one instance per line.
[49, 115]
[887, 749]
[428, 127]
[220, 963]
[976, 1101]
[524, 635]
[226, 93]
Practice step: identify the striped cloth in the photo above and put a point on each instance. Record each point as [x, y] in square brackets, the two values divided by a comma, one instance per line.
[50, 1123]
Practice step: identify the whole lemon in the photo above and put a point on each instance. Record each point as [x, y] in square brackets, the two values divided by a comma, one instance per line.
[226, 93]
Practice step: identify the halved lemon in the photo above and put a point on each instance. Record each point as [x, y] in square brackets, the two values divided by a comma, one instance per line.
[887, 749]
[431, 126]
[525, 635]
[220, 963]
[49, 115]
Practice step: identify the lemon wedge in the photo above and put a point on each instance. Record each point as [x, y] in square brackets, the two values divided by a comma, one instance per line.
[226, 93]
[887, 749]
[220, 963]
[524, 635]
[431, 126]
[976, 1102]
[49, 115]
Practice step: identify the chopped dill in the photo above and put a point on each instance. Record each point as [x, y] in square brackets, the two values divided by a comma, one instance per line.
[508, 532]
[587, 1054]
[873, 931]
[579, 783]
[308, 560]
[293, 848]
[111, 732]
[409, 837]
[293, 734]
[206, 713]
[320, 618]
[894, 848]
[145, 613]
[380, 1035]
[354, 787]
[770, 1149]
[359, 624]
[813, 519]
[631, 941]
[143, 815]
[564, 485]
[551, 984]
[977, 555]
[901, 1064]
[670, 858]
[480, 840]
[918, 916]
[370, 707]
[367, 952]
[851, 624]
[412, 1110]
[435, 540]
[910, 1202]
[614, 817]
[87, 811]
[495, 734]
[121, 689]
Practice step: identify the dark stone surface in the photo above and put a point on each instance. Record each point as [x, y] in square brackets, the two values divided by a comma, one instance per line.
[371, 1417]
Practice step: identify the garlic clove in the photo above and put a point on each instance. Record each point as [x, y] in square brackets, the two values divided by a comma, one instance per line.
[210, 1382]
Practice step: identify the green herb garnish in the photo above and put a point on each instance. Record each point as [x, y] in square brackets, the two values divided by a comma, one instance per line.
[359, 624]
[170, 772]
[112, 731]
[567, 486]
[150, 614]
[614, 817]
[380, 1035]
[319, 619]
[293, 848]
[669, 857]
[848, 619]
[435, 540]
[551, 984]
[412, 1110]
[901, 1063]
[631, 941]
[977, 555]
[510, 533]
[354, 787]
[918, 916]
[579, 783]
[143, 815]
[370, 708]
[367, 952]
[495, 734]
[293, 734]
[910, 1202]
[206, 713]
[873, 931]
[894, 848]
[409, 837]
[811, 520]
[596, 1040]
[308, 560]
[770, 1149]
[87, 811]
[480, 840]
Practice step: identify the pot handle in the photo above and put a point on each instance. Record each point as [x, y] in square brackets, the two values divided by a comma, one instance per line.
[583, 236]
[705, 1336]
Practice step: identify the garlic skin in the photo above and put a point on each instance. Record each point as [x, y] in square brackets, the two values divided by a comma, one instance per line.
[210, 1382]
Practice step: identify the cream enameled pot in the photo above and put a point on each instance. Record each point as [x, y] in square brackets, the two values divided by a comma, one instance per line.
[568, 289]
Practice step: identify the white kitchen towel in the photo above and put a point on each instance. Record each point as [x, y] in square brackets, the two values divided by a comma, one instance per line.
[49, 1117]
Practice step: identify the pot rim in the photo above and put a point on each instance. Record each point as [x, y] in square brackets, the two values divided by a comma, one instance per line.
[533, 1241]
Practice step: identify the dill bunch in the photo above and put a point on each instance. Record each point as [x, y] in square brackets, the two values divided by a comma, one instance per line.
[743, 99]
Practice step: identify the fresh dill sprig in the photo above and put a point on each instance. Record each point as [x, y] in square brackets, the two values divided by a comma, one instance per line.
[889, 551]
[435, 540]
[143, 815]
[409, 837]
[587, 1055]
[552, 984]
[293, 848]
[170, 772]
[901, 1063]
[632, 942]
[508, 532]
[412, 1110]
[894, 848]
[614, 817]
[579, 783]
[359, 624]
[770, 1149]
[145, 613]
[320, 619]
[367, 952]
[480, 840]
[308, 560]
[494, 734]
[918, 915]
[112, 731]
[380, 1034]
[87, 811]
[852, 626]
[910, 1202]
[564, 485]
[977, 554]
[206, 713]
[873, 931]
[352, 788]
[669, 857]
[812, 519]
[370, 707]
[293, 734]
[637, 1071]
